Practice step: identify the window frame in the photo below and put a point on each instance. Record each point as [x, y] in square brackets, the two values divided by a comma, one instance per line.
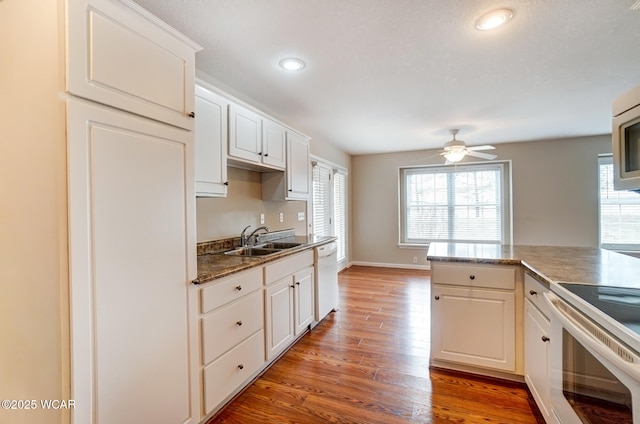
[506, 236]
[607, 159]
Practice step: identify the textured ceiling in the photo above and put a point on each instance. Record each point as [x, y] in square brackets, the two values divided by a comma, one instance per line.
[392, 75]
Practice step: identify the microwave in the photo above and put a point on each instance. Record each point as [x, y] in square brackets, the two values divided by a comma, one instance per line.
[625, 135]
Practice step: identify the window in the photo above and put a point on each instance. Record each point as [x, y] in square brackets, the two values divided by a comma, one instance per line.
[463, 203]
[329, 205]
[619, 212]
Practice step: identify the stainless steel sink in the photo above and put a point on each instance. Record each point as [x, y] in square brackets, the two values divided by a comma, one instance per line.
[252, 251]
[279, 245]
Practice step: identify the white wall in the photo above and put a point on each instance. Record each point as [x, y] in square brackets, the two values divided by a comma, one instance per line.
[34, 318]
[226, 217]
[555, 199]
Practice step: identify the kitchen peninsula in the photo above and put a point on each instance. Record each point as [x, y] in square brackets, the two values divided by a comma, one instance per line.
[494, 310]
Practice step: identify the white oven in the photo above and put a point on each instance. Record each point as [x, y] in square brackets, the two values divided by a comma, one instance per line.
[595, 365]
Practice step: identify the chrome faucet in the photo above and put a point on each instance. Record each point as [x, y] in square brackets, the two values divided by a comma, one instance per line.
[254, 235]
[243, 238]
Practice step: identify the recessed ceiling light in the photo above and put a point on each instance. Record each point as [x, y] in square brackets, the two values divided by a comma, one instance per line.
[292, 64]
[494, 19]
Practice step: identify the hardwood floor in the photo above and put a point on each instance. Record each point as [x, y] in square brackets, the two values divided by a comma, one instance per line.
[369, 363]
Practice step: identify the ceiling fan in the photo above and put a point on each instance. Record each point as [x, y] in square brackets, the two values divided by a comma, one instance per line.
[455, 150]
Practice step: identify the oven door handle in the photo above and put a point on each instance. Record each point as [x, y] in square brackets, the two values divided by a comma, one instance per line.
[604, 345]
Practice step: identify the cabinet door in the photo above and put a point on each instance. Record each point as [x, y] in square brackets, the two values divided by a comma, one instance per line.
[132, 257]
[474, 327]
[536, 367]
[298, 167]
[279, 312]
[210, 144]
[304, 299]
[245, 134]
[122, 56]
[274, 143]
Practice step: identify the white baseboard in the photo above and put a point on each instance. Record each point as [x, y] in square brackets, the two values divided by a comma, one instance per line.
[388, 265]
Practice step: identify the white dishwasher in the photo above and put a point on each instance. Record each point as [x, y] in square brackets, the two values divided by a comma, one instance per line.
[326, 279]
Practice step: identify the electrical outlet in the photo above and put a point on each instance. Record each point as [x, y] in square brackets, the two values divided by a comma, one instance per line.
[415, 259]
[281, 217]
[261, 218]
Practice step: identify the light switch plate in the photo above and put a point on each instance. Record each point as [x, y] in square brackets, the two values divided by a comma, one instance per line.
[281, 217]
[300, 216]
[261, 218]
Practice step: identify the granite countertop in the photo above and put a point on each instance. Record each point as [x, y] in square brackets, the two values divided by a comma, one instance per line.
[584, 265]
[213, 263]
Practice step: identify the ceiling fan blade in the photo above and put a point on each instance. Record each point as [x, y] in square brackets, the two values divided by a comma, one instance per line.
[484, 147]
[423, 158]
[481, 155]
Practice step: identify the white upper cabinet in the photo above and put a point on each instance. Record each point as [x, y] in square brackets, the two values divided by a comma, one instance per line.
[274, 139]
[294, 183]
[254, 140]
[210, 144]
[298, 166]
[126, 58]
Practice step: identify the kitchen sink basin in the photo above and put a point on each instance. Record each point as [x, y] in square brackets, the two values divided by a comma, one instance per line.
[279, 245]
[252, 251]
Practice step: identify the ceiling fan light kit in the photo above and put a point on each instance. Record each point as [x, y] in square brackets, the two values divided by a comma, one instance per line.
[455, 150]
[494, 19]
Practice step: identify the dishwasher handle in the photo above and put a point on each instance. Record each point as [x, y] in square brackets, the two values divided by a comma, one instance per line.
[327, 249]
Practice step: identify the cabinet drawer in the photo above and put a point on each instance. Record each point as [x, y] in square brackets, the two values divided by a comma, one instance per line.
[227, 326]
[534, 291]
[474, 275]
[233, 287]
[277, 270]
[121, 56]
[224, 376]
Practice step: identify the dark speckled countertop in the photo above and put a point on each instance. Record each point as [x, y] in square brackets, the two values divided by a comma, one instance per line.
[213, 263]
[584, 265]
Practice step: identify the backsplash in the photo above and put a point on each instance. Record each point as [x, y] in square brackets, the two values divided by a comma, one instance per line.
[222, 218]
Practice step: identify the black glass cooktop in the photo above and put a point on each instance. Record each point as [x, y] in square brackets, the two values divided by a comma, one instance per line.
[620, 303]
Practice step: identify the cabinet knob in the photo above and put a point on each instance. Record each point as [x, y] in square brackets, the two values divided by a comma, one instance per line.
[192, 115]
[266, 154]
[239, 323]
[297, 283]
[260, 153]
[292, 286]
[472, 277]
[437, 298]
[545, 339]
[226, 183]
[533, 292]
[290, 189]
[240, 366]
[238, 288]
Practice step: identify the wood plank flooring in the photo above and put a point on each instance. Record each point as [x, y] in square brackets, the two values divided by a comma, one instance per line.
[369, 363]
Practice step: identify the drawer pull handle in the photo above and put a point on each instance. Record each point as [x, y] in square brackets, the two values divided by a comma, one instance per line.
[238, 288]
[472, 277]
[437, 298]
[545, 339]
[240, 366]
[239, 323]
[533, 292]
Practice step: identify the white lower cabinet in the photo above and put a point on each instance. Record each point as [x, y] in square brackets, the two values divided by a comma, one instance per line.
[231, 335]
[537, 328]
[289, 301]
[474, 316]
[303, 300]
[229, 372]
[279, 314]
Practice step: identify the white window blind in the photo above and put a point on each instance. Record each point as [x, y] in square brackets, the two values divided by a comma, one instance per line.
[340, 211]
[455, 203]
[322, 208]
[619, 212]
